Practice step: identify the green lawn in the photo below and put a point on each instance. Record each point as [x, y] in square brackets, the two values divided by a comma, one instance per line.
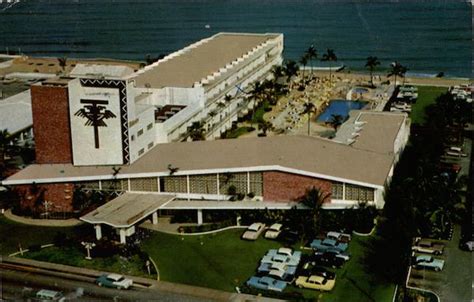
[12, 234]
[75, 257]
[259, 112]
[223, 261]
[238, 132]
[426, 96]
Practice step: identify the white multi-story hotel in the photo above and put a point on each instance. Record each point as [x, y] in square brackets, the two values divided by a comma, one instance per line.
[158, 104]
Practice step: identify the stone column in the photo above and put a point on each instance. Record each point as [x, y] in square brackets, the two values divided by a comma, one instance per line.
[98, 231]
[123, 237]
[154, 217]
[199, 216]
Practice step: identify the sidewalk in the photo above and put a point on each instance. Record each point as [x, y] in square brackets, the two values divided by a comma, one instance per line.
[42, 222]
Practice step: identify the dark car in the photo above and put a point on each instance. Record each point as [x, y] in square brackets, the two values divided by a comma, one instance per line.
[331, 259]
[309, 269]
[289, 237]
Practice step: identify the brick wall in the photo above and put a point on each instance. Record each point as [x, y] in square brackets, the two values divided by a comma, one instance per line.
[60, 195]
[281, 186]
[51, 126]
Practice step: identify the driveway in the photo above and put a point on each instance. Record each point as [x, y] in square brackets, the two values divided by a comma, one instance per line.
[454, 282]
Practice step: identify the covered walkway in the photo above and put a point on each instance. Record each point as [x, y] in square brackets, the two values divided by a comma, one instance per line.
[125, 211]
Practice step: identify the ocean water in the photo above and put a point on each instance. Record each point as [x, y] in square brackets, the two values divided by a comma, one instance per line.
[427, 36]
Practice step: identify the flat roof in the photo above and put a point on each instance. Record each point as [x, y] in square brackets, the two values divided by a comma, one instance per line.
[15, 112]
[376, 131]
[199, 61]
[295, 154]
[127, 209]
[100, 70]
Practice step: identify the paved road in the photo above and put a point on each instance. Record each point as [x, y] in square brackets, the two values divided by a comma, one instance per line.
[14, 284]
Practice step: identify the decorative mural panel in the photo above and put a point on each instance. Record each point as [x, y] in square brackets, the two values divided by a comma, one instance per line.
[99, 122]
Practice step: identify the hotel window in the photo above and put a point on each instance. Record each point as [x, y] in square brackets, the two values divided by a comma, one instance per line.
[150, 145]
[175, 184]
[133, 138]
[256, 183]
[114, 185]
[141, 151]
[148, 184]
[150, 126]
[140, 132]
[238, 180]
[203, 184]
[359, 193]
[337, 190]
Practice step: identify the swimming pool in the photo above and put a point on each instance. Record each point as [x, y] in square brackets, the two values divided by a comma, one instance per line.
[340, 107]
[360, 90]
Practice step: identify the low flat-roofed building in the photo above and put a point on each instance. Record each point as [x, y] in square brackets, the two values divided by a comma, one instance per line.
[276, 170]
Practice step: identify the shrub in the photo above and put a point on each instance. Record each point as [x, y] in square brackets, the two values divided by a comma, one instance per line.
[251, 195]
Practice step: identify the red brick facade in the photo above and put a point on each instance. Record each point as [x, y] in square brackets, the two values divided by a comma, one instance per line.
[50, 106]
[281, 186]
[33, 196]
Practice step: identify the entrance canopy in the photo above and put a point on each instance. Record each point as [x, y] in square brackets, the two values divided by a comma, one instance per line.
[127, 209]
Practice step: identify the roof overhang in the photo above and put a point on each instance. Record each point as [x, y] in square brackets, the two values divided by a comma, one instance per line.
[127, 209]
[191, 172]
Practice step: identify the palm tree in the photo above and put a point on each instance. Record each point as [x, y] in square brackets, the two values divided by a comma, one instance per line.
[303, 61]
[336, 120]
[314, 199]
[256, 94]
[290, 69]
[63, 63]
[371, 63]
[396, 70]
[197, 131]
[308, 109]
[227, 98]
[311, 53]
[265, 126]
[277, 71]
[329, 56]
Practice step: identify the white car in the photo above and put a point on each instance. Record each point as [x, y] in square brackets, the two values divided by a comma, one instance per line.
[274, 231]
[341, 237]
[114, 281]
[253, 231]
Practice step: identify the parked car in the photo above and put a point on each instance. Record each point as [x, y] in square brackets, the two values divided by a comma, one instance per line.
[426, 261]
[279, 258]
[114, 280]
[341, 237]
[466, 245]
[427, 246]
[267, 283]
[274, 231]
[285, 251]
[277, 271]
[327, 244]
[289, 237]
[309, 269]
[330, 259]
[267, 267]
[344, 255]
[49, 295]
[253, 231]
[315, 282]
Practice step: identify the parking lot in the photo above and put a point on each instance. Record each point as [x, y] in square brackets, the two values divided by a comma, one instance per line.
[453, 283]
